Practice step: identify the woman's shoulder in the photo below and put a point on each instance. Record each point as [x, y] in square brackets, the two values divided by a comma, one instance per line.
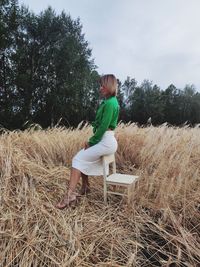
[112, 101]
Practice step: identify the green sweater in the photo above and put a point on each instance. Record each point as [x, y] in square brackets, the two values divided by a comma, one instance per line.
[106, 118]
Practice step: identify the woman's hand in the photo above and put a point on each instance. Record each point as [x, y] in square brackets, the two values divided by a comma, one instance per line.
[86, 145]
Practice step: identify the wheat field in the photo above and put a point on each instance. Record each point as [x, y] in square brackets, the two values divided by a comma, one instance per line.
[161, 228]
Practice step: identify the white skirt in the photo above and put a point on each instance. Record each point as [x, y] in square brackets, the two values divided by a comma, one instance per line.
[89, 161]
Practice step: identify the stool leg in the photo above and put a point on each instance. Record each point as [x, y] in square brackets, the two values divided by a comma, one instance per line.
[105, 193]
[129, 195]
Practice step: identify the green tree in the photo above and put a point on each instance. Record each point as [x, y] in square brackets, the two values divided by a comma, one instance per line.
[195, 114]
[153, 104]
[9, 21]
[52, 69]
[128, 89]
[171, 98]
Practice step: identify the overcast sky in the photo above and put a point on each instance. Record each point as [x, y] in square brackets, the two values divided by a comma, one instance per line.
[157, 40]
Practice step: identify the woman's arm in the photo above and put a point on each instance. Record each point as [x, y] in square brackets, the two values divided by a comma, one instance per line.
[105, 122]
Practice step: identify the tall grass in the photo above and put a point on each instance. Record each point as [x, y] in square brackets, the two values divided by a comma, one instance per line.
[161, 228]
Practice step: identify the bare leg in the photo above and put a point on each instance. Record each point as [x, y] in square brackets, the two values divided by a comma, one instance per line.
[74, 178]
[85, 181]
[85, 188]
[70, 195]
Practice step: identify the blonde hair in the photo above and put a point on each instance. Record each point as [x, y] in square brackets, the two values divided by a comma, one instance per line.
[110, 82]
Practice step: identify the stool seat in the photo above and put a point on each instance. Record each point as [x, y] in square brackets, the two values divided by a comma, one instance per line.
[119, 178]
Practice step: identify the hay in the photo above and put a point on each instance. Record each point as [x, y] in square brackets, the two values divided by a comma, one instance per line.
[160, 229]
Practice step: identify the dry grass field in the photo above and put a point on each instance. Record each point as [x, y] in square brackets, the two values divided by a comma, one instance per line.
[161, 228]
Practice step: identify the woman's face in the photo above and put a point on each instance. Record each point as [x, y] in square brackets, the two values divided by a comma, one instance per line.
[104, 91]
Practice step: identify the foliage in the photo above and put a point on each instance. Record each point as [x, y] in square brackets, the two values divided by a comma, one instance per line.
[46, 73]
[148, 103]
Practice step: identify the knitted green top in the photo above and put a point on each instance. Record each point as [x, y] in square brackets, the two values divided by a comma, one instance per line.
[106, 118]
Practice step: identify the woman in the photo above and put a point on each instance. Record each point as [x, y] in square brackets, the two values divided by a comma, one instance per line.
[88, 160]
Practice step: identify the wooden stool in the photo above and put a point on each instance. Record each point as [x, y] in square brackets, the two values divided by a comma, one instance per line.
[115, 178]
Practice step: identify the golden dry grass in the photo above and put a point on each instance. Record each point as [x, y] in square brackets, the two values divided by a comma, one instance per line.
[162, 227]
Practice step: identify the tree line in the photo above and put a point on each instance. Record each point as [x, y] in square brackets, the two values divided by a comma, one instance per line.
[47, 75]
[148, 102]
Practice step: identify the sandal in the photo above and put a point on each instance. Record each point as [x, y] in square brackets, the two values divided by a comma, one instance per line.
[67, 200]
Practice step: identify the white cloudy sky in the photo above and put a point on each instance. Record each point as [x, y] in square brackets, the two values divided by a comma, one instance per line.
[157, 40]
